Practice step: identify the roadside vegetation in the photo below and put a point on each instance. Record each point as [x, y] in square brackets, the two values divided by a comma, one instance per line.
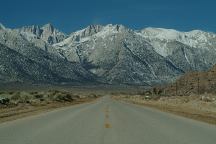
[17, 104]
[200, 106]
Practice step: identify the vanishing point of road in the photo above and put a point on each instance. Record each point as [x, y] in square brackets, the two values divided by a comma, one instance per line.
[106, 121]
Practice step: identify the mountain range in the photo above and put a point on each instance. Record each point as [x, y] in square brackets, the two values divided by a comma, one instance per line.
[110, 54]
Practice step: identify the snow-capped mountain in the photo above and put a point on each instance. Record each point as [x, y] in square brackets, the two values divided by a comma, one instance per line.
[22, 61]
[42, 36]
[152, 55]
[159, 38]
[115, 54]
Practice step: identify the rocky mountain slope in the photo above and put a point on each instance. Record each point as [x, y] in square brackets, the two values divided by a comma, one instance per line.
[42, 36]
[46, 33]
[189, 51]
[22, 61]
[149, 56]
[15, 67]
[115, 54]
[159, 38]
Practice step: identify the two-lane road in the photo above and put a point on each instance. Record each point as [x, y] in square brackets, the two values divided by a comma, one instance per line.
[106, 122]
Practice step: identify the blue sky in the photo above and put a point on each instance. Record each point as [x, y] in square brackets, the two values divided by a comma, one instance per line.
[71, 15]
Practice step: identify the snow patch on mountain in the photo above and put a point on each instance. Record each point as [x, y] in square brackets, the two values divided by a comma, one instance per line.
[90, 33]
[160, 33]
[159, 38]
[47, 33]
[109, 30]
[2, 26]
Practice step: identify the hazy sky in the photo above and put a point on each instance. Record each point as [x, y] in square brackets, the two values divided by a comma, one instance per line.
[71, 15]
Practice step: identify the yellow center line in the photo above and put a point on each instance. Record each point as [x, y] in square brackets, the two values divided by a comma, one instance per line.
[107, 124]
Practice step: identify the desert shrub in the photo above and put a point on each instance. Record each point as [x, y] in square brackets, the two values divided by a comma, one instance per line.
[22, 97]
[34, 93]
[148, 92]
[39, 96]
[155, 91]
[160, 92]
[1, 92]
[63, 97]
[206, 99]
[11, 93]
[4, 101]
[15, 96]
[92, 95]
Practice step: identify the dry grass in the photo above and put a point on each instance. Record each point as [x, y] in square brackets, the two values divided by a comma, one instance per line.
[24, 104]
[193, 107]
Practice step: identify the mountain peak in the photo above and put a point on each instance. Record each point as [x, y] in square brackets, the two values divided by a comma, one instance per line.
[47, 33]
[94, 26]
[86, 32]
[48, 27]
[92, 29]
[116, 28]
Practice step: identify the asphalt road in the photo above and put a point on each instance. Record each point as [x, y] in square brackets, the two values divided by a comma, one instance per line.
[106, 122]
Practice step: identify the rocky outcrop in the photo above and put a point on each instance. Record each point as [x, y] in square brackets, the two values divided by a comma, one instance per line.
[47, 33]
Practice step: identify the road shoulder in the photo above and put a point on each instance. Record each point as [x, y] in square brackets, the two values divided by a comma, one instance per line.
[197, 112]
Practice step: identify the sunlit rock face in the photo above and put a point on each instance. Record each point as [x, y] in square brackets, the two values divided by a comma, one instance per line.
[152, 55]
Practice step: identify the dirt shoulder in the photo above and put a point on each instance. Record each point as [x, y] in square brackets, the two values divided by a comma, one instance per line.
[15, 105]
[194, 107]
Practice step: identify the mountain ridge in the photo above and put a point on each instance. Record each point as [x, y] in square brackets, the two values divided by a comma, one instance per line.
[47, 32]
[116, 54]
[59, 69]
[186, 54]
